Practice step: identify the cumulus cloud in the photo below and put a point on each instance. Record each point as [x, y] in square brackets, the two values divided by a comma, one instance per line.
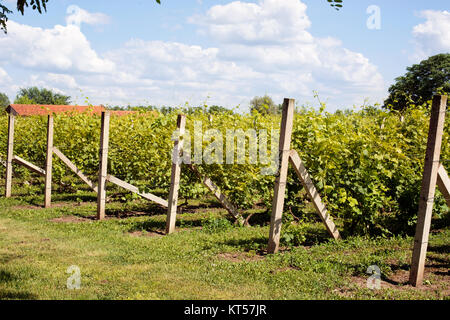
[432, 36]
[263, 47]
[267, 22]
[4, 77]
[172, 61]
[272, 37]
[62, 48]
[77, 16]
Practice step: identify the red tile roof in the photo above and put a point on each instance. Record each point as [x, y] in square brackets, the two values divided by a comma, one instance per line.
[33, 110]
[43, 110]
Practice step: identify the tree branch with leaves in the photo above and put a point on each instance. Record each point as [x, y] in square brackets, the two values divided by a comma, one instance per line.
[38, 5]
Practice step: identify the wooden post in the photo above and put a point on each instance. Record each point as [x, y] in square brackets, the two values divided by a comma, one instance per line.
[280, 183]
[103, 166]
[10, 155]
[74, 168]
[135, 190]
[428, 189]
[29, 165]
[175, 178]
[218, 194]
[48, 163]
[443, 183]
[313, 194]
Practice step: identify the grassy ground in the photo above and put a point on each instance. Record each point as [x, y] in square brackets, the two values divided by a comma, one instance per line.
[127, 257]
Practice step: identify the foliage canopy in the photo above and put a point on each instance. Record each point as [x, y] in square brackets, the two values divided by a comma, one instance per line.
[34, 95]
[366, 165]
[4, 100]
[420, 83]
[264, 105]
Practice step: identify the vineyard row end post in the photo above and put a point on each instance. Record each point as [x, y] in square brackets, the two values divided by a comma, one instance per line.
[428, 189]
[9, 156]
[49, 163]
[280, 182]
[103, 165]
[176, 174]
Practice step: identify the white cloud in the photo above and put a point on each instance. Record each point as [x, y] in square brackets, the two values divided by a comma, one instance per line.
[172, 61]
[272, 38]
[262, 47]
[4, 77]
[62, 80]
[77, 16]
[267, 22]
[432, 36]
[62, 49]
[7, 85]
[172, 73]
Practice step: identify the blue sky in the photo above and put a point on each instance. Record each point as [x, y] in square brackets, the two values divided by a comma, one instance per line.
[221, 52]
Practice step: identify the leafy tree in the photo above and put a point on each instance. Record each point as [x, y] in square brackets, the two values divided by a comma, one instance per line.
[41, 6]
[219, 109]
[34, 95]
[4, 100]
[420, 83]
[264, 105]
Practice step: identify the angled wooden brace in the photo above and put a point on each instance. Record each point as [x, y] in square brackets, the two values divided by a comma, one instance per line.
[307, 183]
[443, 183]
[220, 196]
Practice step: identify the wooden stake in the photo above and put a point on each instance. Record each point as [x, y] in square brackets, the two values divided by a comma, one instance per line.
[313, 194]
[74, 168]
[29, 166]
[218, 194]
[48, 163]
[175, 178]
[280, 183]
[443, 183]
[103, 170]
[9, 156]
[135, 189]
[428, 189]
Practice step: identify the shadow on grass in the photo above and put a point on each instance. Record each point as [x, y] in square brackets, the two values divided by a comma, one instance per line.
[74, 197]
[441, 223]
[438, 262]
[203, 204]
[136, 210]
[256, 243]
[439, 249]
[150, 225]
[316, 237]
[260, 218]
[5, 258]
[17, 295]
[6, 276]
[160, 226]
[129, 210]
